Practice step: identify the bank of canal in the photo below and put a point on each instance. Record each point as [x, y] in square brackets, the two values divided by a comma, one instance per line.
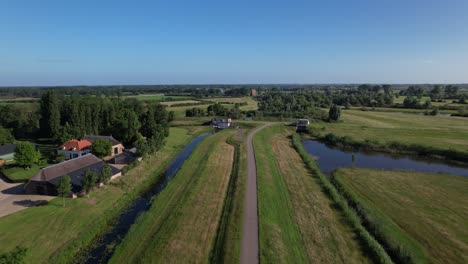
[102, 250]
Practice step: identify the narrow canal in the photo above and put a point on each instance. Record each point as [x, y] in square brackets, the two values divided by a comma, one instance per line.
[104, 248]
[329, 159]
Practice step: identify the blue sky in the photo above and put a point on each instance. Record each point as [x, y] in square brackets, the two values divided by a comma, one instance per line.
[178, 42]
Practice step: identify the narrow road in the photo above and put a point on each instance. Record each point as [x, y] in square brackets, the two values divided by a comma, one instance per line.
[249, 246]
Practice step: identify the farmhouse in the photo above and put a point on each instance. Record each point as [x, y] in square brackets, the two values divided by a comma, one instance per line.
[117, 147]
[301, 124]
[221, 122]
[46, 180]
[74, 148]
[7, 152]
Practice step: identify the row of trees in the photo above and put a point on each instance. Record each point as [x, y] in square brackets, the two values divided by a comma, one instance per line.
[436, 92]
[215, 110]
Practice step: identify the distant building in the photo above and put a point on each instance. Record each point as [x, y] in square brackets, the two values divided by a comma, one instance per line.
[253, 92]
[7, 152]
[301, 125]
[74, 148]
[117, 147]
[221, 122]
[45, 181]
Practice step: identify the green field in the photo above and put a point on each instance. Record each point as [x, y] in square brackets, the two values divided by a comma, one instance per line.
[425, 214]
[182, 223]
[159, 97]
[297, 221]
[53, 234]
[381, 127]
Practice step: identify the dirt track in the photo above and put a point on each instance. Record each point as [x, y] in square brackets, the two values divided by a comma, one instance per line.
[249, 246]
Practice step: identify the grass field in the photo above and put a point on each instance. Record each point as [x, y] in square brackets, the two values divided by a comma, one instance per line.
[434, 131]
[55, 234]
[425, 213]
[297, 222]
[182, 223]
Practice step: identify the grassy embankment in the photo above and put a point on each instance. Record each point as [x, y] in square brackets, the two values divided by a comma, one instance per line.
[182, 223]
[424, 215]
[297, 221]
[398, 132]
[55, 234]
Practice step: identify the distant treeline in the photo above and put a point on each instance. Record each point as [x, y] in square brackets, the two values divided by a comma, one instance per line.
[194, 90]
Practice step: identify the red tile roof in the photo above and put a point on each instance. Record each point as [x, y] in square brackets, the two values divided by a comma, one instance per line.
[76, 144]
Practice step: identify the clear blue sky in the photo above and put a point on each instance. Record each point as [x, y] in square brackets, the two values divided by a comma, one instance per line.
[172, 42]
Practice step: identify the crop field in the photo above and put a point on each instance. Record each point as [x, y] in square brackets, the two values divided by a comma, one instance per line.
[53, 233]
[297, 222]
[425, 213]
[383, 127]
[182, 223]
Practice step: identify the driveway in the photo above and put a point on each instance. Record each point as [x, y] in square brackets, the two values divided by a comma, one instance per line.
[13, 199]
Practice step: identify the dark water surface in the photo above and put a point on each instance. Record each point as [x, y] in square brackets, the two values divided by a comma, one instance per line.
[104, 248]
[329, 159]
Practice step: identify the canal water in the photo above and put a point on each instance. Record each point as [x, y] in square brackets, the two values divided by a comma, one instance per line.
[104, 248]
[329, 159]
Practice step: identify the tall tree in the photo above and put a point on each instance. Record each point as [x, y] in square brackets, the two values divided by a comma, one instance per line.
[64, 187]
[26, 155]
[50, 115]
[105, 173]
[334, 113]
[89, 181]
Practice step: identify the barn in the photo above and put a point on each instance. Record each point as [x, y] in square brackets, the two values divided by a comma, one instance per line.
[46, 180]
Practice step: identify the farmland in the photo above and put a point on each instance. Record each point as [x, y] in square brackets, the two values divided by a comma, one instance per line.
[53, 233]
[182, 223]
[288, 196]
[425, 214]
[385, 127]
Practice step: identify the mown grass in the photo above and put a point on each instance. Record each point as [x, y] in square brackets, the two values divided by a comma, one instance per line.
[424, 215]
[54, 234]
[181, 225]
[325, 235]
[381, 128]
[19, 174]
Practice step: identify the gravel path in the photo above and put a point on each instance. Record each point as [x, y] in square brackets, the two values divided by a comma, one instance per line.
[249, 246]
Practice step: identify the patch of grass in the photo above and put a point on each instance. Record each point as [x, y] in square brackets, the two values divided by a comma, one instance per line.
[181, 225]
[18, 174]
[422, 214]
[53, 234]
[250, 106]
